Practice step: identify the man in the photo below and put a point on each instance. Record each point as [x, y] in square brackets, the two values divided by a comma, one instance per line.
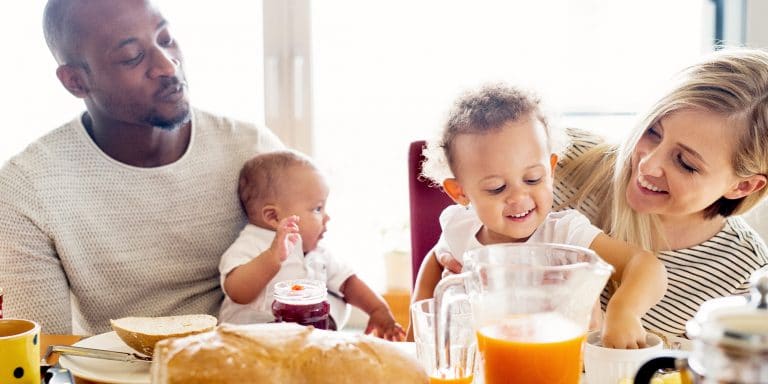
[126, 210]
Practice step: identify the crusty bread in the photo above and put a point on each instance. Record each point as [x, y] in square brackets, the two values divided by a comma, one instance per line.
[142, 333]
[282, 353]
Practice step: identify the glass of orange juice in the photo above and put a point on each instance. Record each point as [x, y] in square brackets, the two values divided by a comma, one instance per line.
[462, 365]
[530, 307]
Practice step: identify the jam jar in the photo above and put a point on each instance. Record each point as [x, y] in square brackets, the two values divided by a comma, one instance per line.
[304, 302]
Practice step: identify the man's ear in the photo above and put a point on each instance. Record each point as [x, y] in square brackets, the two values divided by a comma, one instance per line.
[746, 186]
[454, 190]
[553, 162]
[270, 214]
[73, 79]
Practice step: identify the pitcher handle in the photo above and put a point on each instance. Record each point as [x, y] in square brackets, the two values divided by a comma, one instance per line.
[443, 310]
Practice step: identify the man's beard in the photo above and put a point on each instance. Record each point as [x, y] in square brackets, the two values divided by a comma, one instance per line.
[169, 123]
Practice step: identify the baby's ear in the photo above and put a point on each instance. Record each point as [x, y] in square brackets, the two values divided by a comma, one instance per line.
[270, 214]
[454, 190]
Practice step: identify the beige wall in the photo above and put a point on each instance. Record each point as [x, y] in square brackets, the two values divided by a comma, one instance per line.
[757, 27]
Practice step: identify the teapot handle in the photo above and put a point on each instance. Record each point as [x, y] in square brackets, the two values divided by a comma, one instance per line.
[649, 368]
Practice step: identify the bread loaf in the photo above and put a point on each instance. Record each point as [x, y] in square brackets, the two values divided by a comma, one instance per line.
[282, 353]
[141, 333]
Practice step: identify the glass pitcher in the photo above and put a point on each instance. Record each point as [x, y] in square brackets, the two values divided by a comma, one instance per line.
[531, 305]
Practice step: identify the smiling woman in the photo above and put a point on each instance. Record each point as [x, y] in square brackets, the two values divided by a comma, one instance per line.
[698, 158]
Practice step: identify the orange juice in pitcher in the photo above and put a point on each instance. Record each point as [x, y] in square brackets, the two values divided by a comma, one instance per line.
[541, 348]
[530, 306]
[461, 380]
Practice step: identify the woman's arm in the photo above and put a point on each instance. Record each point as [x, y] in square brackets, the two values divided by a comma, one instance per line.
[642, 283]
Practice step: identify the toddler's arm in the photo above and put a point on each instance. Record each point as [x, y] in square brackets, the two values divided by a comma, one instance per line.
[244, 283]
[380, 320]
[429, 275]
[642, 283]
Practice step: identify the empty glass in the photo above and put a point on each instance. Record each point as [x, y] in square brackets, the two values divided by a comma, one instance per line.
[463, 345]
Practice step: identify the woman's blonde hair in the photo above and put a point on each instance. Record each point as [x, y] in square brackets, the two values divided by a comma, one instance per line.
[732, 83]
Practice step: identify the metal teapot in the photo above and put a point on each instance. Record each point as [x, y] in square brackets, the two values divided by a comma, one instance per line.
[730, 341]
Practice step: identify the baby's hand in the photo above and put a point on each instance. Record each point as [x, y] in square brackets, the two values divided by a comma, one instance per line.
[286, 238]
[623, 330]
[448, 262]
[382, 324]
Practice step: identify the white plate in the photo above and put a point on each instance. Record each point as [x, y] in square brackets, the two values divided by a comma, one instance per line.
[106, 371]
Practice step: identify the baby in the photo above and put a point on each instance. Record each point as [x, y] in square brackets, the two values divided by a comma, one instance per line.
[496, 160]
[284, 196]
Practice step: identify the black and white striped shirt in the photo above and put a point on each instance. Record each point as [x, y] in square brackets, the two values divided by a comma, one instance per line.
[718, 267]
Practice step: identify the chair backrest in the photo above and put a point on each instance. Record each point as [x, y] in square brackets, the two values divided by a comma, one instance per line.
[426, 203]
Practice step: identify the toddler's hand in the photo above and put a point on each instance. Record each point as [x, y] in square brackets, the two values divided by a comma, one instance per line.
[623, 330]
[448, 262]
[382, 324]
[286, 238]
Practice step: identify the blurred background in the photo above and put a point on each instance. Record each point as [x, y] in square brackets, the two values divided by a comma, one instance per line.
[352, 83]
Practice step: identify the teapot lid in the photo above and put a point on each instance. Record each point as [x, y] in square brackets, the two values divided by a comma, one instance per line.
[735, 321]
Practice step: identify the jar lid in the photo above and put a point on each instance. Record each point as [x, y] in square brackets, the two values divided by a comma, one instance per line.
[300, 291]
[736, 321]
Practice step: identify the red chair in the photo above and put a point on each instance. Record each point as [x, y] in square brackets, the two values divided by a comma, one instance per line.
[426, 203]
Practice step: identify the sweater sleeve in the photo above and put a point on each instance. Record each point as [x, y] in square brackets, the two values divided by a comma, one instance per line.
[33, 279]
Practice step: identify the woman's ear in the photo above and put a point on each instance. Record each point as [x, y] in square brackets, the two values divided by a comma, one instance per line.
[73, 79]
[454, 190]
[270, 214]
[746, 186]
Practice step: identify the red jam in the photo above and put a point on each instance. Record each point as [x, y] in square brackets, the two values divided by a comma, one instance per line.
[303, 302]
[1, 303]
